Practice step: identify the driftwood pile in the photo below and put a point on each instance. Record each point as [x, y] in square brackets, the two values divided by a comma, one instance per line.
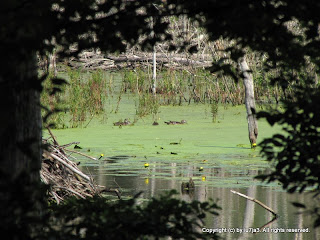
[63, 175]
[95, 60]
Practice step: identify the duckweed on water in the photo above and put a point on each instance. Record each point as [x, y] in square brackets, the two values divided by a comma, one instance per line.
[218, 137]
[201, 143]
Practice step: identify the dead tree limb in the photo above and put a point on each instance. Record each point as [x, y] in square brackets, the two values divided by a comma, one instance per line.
[80, 153]
[256, 201]
[70, 167]
[55, 140]
[112, 190]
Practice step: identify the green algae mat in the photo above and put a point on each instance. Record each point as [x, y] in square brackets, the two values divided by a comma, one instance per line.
[198, 148]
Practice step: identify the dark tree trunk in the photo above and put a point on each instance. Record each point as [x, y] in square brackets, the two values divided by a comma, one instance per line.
[20, 132]
[249, 101]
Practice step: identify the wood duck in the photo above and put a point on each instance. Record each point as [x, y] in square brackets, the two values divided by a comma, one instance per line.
[120, 123]
[175, 122]
[155, 123]
[126, 122]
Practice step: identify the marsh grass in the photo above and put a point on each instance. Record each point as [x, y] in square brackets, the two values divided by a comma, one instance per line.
[148, 104]
[53, 104]
[78, 93]
[97, 92]
[214, 111]
[178, 86]
[86, 94]
[82, 98]
[136, 80]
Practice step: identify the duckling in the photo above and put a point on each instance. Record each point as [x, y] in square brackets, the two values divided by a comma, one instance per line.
[126, 122]
[176, 122]
[181, 122]
[120, 123]
[171, 122]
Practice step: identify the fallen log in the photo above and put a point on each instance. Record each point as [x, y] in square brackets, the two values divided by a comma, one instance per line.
[99, 61]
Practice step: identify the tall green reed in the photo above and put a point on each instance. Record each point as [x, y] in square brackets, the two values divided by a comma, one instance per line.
[53, 103]
[84, 96]
[148, 104]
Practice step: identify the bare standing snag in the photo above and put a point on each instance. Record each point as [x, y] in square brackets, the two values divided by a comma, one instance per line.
[250, 102]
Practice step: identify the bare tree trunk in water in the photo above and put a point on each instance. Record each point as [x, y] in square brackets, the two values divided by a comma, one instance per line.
[20, 132]
[154, 74]
[249, 101]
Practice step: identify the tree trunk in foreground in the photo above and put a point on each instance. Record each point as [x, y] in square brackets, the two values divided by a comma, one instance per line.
[20, 132]
[249, 101]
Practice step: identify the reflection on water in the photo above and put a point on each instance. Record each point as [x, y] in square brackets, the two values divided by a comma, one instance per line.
[222, 150]
[237, 214]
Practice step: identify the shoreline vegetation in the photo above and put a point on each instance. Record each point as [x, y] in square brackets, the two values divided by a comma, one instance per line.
[86, 93]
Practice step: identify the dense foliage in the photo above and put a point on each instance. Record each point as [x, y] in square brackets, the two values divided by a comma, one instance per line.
[166, 216]
[26, 214]
[295, 152]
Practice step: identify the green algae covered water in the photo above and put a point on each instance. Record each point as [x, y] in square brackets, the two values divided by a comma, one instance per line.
[186, 148]
[217, 156]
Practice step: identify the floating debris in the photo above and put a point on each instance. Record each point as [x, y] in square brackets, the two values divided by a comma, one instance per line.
[187, 187]
[176, 143]
[118, 157]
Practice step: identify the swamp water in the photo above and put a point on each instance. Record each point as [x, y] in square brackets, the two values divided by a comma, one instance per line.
[176, 152]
